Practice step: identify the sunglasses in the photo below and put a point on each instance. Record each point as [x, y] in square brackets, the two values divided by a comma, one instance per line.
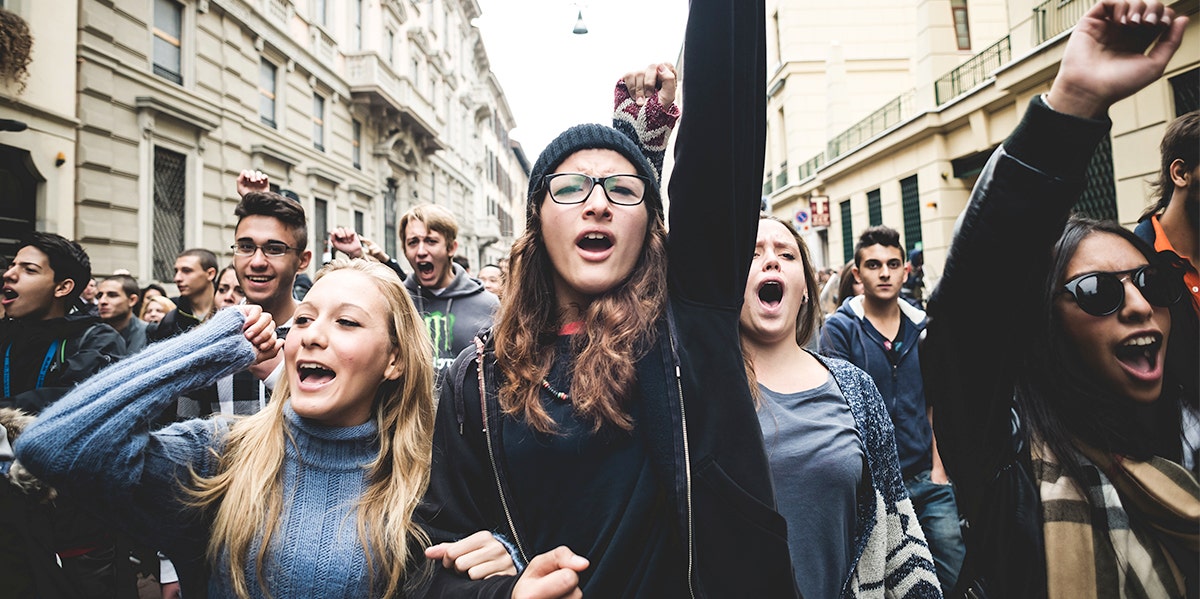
[1103, 293]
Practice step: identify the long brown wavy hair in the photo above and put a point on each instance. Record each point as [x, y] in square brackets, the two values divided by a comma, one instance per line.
[618, 329]
[246, 494]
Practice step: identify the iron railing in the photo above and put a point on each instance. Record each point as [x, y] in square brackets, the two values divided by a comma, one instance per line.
[972, 72]
[890, 115]
[810, 166]
[1056, 16]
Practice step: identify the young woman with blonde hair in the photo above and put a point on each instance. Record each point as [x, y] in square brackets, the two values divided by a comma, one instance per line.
[311, 497]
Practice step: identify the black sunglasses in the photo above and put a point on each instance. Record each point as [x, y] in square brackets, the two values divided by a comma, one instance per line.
[1103, 293]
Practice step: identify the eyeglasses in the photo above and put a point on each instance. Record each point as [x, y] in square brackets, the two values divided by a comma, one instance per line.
[1103, 293]
[271, 249]
[574, 188]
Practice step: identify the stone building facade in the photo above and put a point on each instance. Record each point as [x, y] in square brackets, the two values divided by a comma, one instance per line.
[888, 120]
[361, 108]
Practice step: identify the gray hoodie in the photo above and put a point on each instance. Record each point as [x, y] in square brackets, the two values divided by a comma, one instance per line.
[454, 315]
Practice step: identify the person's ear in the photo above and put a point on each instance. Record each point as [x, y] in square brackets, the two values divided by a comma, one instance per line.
[212, 275]
[395, 367]
[1180, 174]
[133, 299]
[305, 258]
[452, 248]
[854, 271]
[63, 288]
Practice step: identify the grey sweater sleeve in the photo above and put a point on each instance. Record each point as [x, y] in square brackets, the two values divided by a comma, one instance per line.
[96, 442]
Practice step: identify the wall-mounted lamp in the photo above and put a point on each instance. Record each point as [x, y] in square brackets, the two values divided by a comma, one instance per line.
[931, 204]
[580, 28]
[60, 160]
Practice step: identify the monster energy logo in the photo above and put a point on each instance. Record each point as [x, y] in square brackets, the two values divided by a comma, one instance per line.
[441, 331]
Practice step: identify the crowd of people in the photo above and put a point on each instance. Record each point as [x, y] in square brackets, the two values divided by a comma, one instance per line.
[615, 411]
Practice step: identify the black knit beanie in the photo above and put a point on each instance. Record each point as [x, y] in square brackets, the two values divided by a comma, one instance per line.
[591, 136]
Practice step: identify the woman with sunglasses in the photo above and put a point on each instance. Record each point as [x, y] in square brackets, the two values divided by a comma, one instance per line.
[1055, 415]
[608, 409]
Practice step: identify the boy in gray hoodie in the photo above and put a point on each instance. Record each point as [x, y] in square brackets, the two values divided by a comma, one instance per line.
[454, 306]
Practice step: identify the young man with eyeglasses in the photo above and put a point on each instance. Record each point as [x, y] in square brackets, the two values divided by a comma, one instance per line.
[454, 305]
[269, 249]
[878, 332]
[195, 277]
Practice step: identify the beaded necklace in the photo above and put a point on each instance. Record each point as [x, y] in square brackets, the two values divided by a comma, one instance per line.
[555, 392]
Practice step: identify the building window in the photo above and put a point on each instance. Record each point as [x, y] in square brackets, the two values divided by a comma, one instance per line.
[874, 210]
[847, 231]
[962, 28]
[356, 144]
[360, 222]
[321, 222]
[389, 47]
[1099, 197]
[910, 200]
[168, 49]
[266, 92]
[318, 118]
[320, 12]
[1186, 89]
[389, 219]
[357, 22]
[170, 191]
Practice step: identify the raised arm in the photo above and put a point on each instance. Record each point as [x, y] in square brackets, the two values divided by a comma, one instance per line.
[96, 441]
[716, 185]
[971, 355]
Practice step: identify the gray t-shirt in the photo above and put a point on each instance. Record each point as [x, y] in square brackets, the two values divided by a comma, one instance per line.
[817, 462]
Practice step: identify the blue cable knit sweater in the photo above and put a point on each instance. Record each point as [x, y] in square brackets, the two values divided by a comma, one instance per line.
[96, 442]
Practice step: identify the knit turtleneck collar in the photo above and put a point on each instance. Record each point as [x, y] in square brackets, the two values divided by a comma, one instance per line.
[331, 448]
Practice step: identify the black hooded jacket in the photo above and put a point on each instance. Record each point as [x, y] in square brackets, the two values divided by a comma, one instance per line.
[60, 352]
[695, 417]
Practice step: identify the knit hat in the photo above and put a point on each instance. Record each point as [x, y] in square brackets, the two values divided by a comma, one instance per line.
[592, 136]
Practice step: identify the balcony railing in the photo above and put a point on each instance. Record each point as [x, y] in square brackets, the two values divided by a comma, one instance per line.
[367, 74]
[1056, 16]
[810, 167]
[881, 120]
[973, 72]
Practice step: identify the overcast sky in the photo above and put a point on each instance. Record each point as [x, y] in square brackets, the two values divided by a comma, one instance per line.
[553, 78]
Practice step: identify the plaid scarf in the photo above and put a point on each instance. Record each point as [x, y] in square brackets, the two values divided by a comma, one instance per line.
[1092, 550]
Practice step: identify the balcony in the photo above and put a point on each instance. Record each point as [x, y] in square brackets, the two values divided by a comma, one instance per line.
[1056, 16]
[892, 114]
[809, 168]
[369, 77]
[973, 72]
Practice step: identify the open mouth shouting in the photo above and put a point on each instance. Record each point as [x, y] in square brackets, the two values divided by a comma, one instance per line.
[9, 296]
[1140, 356]
[595, 244]
[314, 375]
[770, 293]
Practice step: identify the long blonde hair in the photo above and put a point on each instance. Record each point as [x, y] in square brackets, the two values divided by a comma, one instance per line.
[246, 494]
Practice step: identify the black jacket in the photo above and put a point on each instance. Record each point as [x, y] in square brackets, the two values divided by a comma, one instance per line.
[976, 340]
[696, 417]
[180, 320]
[83, 345]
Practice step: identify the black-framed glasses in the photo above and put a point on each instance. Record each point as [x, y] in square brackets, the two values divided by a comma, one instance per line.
[574, 188]
[270, 249]
[1103, 293]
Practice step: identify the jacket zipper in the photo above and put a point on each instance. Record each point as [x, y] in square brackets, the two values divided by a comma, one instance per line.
[687, 468]
[487, 433]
